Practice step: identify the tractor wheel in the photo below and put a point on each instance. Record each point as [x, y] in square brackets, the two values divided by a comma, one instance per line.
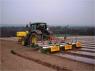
[23, 43]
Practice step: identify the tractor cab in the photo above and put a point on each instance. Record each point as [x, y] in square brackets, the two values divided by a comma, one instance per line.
[40, 29]
[38, 26]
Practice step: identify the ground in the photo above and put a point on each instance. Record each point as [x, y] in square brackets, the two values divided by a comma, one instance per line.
[10, 62]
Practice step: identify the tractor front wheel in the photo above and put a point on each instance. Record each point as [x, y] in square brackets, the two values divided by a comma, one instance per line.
[23, 43]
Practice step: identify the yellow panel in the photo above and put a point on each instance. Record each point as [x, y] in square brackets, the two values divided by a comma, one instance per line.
[21, 34]
[19, 38]
[67, 47]
[55, 48]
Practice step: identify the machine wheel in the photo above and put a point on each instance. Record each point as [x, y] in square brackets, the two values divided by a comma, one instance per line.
[24, 43]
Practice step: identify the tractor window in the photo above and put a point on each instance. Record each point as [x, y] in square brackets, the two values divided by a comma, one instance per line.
[33, 27]
[42, 26]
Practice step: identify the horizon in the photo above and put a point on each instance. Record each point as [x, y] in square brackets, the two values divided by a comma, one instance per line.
[24, 25]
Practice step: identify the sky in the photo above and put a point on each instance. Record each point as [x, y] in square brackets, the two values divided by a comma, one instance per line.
[53, 12]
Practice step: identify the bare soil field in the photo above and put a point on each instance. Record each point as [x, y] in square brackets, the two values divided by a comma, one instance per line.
[11, 62]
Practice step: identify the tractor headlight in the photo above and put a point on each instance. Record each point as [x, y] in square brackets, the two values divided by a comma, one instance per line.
[45, 47]
[61, 45]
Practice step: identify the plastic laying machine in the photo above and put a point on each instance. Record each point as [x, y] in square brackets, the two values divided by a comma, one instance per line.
[39, 36]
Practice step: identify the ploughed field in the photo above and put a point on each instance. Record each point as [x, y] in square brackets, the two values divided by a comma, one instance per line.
[82, 59]
[85, 54]
[10, 62]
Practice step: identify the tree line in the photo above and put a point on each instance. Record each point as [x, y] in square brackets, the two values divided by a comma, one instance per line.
[65, 30]
[73, 30]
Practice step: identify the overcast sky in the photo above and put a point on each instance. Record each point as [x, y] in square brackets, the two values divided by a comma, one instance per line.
[53, 12]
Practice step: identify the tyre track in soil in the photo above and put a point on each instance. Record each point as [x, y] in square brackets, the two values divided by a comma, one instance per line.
[58, 68]
[60, 64]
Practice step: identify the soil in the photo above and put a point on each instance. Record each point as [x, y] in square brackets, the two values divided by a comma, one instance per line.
[11, 62]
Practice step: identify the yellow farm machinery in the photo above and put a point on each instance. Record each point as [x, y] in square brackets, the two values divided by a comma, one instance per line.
[38, 36]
